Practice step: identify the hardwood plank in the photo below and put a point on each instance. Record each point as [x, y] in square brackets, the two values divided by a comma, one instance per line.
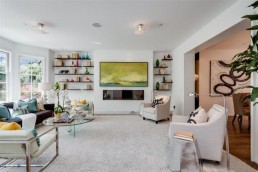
[240, 142]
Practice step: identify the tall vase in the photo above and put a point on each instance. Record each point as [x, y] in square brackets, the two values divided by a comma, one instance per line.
[77, 62]
[157, 63]
[157, 86]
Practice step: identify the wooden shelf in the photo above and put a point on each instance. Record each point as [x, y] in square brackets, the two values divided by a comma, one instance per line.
[167, 82]
[73, 66]
[77, 81]
[166, 59]
[163, 90]
[72, 74]
[71, 59]
[75, 89]
[161, 74]
[160, 67]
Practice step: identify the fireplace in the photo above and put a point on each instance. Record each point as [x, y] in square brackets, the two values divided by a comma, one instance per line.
[123, 94]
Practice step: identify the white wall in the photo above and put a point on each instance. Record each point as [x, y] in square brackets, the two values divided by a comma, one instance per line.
[121, 106]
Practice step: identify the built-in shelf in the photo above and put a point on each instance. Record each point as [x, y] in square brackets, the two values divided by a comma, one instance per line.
[72, 74]
[73, 66]
[167, 82]
[71, 59]
[75, 89]
[161, 74]
[166, 59]
[77, 81]
[163, 90]
[160, 67]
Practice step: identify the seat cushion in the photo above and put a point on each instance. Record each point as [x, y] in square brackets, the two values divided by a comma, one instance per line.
[149, 110]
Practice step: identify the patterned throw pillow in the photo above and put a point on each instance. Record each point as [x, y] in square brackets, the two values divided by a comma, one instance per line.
[4, 112]
[32, 105]
[20, 110]
[157, 102]
[198, 116]
[40, 105]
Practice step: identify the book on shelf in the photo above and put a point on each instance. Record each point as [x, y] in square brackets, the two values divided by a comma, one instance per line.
[183, 135]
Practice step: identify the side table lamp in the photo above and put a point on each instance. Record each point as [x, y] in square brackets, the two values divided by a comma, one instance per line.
[44, 87]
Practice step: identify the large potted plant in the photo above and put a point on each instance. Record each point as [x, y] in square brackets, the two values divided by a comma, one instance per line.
[59, 109]
[247, 62]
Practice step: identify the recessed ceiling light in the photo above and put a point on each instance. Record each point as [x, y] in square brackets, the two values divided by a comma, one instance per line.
[139, 29]
[98, 25]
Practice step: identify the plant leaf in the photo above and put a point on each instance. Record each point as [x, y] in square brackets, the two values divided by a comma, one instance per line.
[254, 93]
[254, 5]
[255, 27]
[251, 17]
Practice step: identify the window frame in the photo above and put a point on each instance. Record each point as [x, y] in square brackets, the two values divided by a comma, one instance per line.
[7, 75]
[43, 70]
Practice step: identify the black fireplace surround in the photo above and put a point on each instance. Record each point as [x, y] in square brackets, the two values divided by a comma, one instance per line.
[123, 94]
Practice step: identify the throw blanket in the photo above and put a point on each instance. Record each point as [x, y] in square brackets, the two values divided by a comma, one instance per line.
[28, 120]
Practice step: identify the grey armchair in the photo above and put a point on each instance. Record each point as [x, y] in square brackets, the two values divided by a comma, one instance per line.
[160, 112]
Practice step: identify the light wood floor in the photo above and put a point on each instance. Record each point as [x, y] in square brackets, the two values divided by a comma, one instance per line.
[239, 141]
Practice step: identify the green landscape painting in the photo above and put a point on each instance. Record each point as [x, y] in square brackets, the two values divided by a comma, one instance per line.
[123, 74]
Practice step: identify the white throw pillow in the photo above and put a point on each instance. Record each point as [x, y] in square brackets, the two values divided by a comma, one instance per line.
[200, 117]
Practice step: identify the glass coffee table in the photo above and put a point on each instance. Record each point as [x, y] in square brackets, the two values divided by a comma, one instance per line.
[77, 121]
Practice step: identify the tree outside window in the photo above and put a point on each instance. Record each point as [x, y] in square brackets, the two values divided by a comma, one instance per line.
[30, 76]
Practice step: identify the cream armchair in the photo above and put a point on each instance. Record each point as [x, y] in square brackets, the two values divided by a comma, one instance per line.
[210, 135]
[21, 144]
[160, 112]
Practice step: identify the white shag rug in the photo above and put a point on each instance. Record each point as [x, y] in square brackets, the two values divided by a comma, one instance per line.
[119, 143]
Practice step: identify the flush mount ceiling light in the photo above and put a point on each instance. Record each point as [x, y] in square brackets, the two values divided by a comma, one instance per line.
[40, 28]
[97, 25]
[139, 29]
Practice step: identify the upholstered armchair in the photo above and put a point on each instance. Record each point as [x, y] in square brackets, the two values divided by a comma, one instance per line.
[159, 112]
[210, 135]
[21, 144]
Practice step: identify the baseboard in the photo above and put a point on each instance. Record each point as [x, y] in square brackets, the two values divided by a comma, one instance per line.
[116, 112]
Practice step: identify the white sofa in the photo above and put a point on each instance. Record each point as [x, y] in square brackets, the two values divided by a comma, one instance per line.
[160, 112]
[210, 135]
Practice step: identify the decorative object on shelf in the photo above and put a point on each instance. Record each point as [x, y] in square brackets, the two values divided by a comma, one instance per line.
[77, 62]
[168, 56]
[163, 65]
[87, 56]
[88, 86]
[83, 57]
[161, 71]
[63, 71]
[75, 55]
[157, 63]
[62, 86]
[87, 79]
[164, 79]
[73, 71]
[88, 63]
[72, 63]
[157, 86]
[65, 56]
[86, 71]
[59, 56]
[165, 86]
[44, 87]
[165, 57]
[59, 63]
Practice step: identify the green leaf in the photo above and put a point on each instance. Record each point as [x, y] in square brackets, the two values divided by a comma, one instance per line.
[255, 27]
[251, 17]
[254, 5]
[254, 93]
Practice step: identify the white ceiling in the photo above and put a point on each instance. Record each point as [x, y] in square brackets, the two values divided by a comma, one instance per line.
[69, 22]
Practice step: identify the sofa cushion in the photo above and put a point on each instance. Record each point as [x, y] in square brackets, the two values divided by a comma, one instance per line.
[4, 112]
[32, 105]
[40, 105]
[149, 110]
[42, 115]
[10, 126]
[198, 117]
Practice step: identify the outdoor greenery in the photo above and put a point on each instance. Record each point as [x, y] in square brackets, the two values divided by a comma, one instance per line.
[247, 62]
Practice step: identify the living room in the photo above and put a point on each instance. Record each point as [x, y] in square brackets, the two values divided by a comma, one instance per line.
[45, 32]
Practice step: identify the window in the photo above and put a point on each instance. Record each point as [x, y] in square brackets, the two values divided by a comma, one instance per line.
[30, 75]
[3, 75]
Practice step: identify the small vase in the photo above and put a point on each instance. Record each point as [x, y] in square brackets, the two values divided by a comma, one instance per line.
[157, 86]
[57, 116]
[87, 56]
[164, 79]
[77, 63]
[157, 63]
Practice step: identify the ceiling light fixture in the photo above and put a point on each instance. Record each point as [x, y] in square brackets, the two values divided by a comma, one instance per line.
[40, 28]
[139, 30]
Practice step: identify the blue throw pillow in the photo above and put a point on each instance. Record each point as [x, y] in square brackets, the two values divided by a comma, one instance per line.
[86, 106]
[4, 112]
[32, 105]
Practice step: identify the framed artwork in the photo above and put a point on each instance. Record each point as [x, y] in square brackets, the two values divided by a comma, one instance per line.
[124, 74]
[223, 80]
